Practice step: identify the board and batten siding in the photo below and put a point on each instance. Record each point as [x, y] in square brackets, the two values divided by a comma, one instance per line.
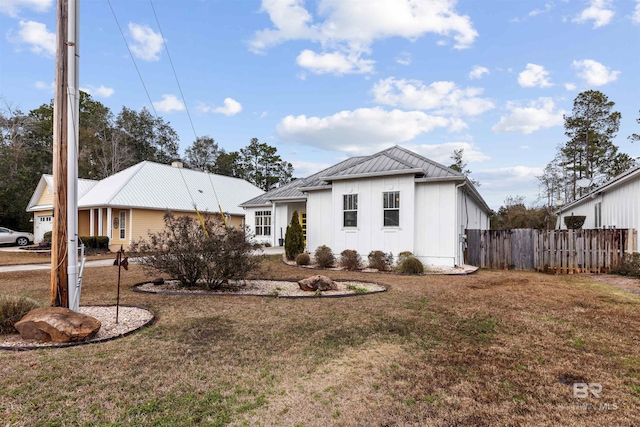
[250, 220]
[320, 221]
[620, 207]
[370, 233]
[436, 223]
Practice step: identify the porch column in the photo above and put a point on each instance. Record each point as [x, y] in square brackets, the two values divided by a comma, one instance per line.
[274, 233]
[130, 226]
[109, 229]
[92, 231]
[100, 225]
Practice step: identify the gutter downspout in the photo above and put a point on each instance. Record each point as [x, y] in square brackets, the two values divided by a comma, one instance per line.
[456, 258]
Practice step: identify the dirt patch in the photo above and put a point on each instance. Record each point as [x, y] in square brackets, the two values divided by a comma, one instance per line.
[625, 283]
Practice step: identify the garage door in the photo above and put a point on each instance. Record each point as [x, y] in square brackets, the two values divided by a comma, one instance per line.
[43, 224]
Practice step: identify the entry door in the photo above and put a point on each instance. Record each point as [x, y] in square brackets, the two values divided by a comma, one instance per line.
[44, 223]
[303, 223]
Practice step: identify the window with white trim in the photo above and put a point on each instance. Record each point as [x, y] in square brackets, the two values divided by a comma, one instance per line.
[350, 210]
[391, 208]
[123, 224]
[598, 215]
[263, 223]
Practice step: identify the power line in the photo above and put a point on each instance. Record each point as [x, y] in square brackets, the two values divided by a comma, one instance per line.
[133, 59]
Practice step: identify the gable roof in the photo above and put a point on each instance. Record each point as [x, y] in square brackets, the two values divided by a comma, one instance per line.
[616, 181]
[150, 185]
[392, 161]
[84, 185]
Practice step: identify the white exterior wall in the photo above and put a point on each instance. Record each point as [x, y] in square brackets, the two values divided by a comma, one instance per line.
[370, 234]
[470, 216]
[320, 219]
[250, 221]
[436, 223]
[620, 207]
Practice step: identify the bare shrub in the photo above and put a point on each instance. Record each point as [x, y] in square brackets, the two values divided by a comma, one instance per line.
[324, 257]
[303, 259]
[630, 265]
[350, 260]
[184, 251]
[410, 265]
[12, 309]
[380, 261]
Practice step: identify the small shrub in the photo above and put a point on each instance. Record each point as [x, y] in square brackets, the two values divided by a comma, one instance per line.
[350, 260]
[574, 222]
[411, 265]
[403, 255]
[47, 237]
[324, 257]
[294, 238]
[318, 293]
[380, 261]
[12, 309]
[303, 259]
[102, 242]
[89, 241]
[630, 265]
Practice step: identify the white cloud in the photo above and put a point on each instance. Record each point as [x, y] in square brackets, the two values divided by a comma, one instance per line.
[595, 73]
[599, 11]
[99, 91]
[537, 115]
[534, 76]
[13, 7]
[168, 104]
[477, 72]
[334, 63]
[360, 131]
[147, 44]
[635, 17]
[404, 58]
[570, 86]
[45, 86]
[346, 26]
[441, 153]
[35, 34]
[547, 8]
[304, 169]
[499, 183]
[231, 107]
[443, 97]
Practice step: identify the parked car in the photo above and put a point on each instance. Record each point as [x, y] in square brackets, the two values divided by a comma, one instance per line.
[11, 237]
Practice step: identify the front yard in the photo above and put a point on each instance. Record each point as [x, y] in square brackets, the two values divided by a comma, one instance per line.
[494, 348]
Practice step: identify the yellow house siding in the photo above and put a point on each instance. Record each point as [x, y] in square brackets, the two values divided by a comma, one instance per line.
[47, 197]
[83, 223]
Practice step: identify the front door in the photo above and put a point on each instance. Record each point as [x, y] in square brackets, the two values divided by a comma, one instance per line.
[303, 223]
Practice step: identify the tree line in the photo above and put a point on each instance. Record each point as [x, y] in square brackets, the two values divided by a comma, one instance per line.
[109, 143]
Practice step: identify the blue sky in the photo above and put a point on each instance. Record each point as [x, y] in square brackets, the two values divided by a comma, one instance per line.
[327, 79]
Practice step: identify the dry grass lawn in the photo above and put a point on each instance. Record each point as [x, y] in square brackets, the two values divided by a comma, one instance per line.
[494, 348]
[32, 257]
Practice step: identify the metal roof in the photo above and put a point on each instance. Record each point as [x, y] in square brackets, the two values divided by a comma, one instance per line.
[156, 186]
[84, 185]
[391, 161]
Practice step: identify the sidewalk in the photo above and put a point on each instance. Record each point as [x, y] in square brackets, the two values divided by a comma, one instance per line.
[106, 262]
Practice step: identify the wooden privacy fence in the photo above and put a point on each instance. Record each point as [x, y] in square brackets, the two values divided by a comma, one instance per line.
[553, 251]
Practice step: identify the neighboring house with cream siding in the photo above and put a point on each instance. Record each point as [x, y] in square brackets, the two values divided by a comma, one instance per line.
[132, 202]
[394, 201]
[614, 204]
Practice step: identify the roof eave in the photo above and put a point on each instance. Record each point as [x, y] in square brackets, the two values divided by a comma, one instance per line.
[372, 174]
[315, 188]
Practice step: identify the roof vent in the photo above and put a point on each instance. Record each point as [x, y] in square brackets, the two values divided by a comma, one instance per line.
[177, 165]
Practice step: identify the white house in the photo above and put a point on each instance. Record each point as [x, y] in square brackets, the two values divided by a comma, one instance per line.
[394, 201]
[615, 204]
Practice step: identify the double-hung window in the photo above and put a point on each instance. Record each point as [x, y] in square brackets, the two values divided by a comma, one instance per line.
[123, 225]
[350, 210]
[263, 223]
[391, 208]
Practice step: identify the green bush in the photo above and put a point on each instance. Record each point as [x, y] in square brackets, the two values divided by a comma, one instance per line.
[89, 241]
[196, 259]
[102, 242]
[303, 259]
[47, 236]
[574, 222]
[293, 238]
[403, 255]
[12, 309]
[630, 265]
[411, 265]
[324, 257]
[380, 261]
[350, 260]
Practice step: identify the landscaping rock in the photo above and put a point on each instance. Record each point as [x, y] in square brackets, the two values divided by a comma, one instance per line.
[57, 324]
[158, 281]
[317, 282]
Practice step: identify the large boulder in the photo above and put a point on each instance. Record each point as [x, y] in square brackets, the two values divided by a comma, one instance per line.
[317, 282]
[57, 324]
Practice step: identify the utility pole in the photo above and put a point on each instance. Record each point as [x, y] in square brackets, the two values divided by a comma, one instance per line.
[64, 244]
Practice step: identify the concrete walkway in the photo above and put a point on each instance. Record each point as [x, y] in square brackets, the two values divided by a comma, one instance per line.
[103, 262]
